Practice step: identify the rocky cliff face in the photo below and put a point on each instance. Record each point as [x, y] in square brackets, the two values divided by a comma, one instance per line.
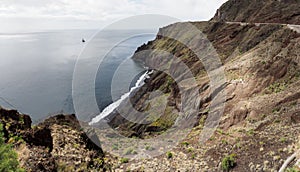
[256, 11]
[57, 144]
[260, 123]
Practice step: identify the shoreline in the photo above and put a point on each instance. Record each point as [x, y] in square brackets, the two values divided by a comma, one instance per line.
[110, 108]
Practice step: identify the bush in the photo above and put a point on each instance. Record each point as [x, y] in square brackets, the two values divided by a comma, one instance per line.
[149, 148]
[169, 155]
[124, 160]
[292, 170]
[185, 143]
[8, 157]
[228, 162]
[130, 151]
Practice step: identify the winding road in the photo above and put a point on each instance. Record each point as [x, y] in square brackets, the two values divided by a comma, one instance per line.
[291, 26]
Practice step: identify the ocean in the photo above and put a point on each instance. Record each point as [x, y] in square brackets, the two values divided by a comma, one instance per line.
[36, 69]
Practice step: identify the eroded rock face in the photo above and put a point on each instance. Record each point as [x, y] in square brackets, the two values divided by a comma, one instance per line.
[14, 122]
[56, 144]
[255, 11]
[39, 136]
[238, 115]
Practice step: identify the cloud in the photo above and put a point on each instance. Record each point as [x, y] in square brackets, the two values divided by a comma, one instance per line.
[16, 14]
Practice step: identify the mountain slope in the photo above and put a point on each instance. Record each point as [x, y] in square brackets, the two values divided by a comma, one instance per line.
[256, 11]
[260, 123]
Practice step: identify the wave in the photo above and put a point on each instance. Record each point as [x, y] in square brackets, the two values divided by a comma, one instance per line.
[109, 109]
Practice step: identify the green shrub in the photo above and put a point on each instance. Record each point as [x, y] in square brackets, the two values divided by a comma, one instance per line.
[115, 147]
[21, 119]
[228, 162]
[149, 148]
[15, 139]
[292, 170]
[277, 87]
[190, 149]
[283, 139]
[8, 157]
[250, 132]
[224, 142]
[185, 143]
[169, 155]
[193, 156]
[220, 131]
[130, 151]
[124, 160]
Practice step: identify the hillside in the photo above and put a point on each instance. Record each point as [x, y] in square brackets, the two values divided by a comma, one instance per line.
[256, 11]
[260, 122]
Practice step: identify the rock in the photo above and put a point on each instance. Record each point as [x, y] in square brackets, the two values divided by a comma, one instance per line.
[295, 117]
[253, 116]
[252, 167]
[276, 158]
[266, 163]
[239, 114]
[52, 144]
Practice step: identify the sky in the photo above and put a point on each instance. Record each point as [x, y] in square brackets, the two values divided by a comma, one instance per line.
[41, 15]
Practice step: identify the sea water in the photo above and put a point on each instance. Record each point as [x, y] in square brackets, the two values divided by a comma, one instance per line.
[36, 70]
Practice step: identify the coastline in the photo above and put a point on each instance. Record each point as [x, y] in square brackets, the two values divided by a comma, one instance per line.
[110, 108]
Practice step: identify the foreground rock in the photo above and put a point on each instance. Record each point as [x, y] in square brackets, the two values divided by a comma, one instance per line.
[57, 144]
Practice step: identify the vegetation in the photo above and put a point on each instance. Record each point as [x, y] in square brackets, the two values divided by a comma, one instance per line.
[193, 156]
[21, 119]
[15, 139]
[224, 141]
[250, 132]
[185, 143]
[8, 157]
[292, 170]
[283, 139]
[149, 148]
[130, 151]
[115, 147]
[190, 149]
[228, 162]
[124, 160]
[169, 155]
[277, 87]
[62, 166]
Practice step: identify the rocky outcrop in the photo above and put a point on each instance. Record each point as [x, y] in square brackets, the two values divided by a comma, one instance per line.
[56, 144]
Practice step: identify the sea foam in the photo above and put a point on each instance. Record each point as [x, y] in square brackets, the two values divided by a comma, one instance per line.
[110, 108]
